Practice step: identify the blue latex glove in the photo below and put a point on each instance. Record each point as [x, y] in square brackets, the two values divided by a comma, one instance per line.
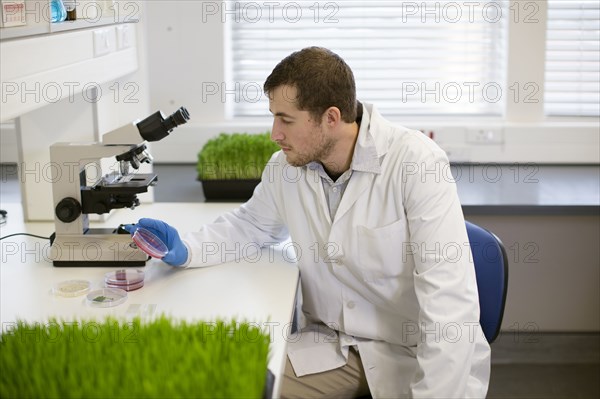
[178, 252]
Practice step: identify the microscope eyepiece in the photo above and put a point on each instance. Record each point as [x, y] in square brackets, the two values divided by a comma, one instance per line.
[179, 117]
[156, 126]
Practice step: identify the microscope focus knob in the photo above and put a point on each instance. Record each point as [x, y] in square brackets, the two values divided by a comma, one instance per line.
[68, 210]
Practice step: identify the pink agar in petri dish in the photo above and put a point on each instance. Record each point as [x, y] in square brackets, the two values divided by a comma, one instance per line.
[128, 280]
[149, 243]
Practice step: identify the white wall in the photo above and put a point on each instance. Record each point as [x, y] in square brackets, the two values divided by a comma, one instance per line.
[187, 50]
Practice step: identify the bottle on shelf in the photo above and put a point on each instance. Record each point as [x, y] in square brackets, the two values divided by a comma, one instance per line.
[58, 13]
[71, 8]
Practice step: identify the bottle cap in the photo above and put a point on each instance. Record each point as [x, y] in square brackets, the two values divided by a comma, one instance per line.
[149, 243]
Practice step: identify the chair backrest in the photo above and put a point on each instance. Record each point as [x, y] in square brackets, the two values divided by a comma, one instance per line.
[491, 269]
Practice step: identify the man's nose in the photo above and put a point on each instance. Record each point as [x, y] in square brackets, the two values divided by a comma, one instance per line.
[276, 133]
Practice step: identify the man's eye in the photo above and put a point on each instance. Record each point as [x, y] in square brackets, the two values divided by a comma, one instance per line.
[287, 122]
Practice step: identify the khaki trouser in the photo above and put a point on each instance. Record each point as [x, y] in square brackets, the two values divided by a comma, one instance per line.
[348, 381]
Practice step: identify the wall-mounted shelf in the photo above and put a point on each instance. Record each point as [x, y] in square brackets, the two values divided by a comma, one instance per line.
[90, 13]
[42, 63]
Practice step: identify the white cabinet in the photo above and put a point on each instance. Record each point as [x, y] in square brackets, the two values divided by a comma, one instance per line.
[42, 70]
[43, 62]
[69, 81]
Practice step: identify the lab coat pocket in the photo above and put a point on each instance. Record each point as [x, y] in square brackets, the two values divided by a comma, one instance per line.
[380, 249]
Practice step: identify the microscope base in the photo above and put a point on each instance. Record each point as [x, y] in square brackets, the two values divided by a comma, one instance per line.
[96, 248]
[98, 264]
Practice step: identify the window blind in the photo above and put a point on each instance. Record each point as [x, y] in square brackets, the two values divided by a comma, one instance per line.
[572, 81]
[409, 58]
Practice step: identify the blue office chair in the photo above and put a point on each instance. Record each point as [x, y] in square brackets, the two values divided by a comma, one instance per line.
[491, 269]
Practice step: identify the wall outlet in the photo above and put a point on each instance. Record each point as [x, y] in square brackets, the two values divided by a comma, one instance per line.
[124, 33]
[101, 42]
[485, 136]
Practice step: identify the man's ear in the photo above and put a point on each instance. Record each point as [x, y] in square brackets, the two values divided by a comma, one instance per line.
[332, 116]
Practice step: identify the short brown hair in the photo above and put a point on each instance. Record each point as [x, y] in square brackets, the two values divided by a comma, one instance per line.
[322, 79]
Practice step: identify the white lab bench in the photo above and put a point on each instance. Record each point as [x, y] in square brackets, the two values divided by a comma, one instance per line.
[262, 291]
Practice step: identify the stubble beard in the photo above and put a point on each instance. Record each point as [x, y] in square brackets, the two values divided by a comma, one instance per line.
[317, 153]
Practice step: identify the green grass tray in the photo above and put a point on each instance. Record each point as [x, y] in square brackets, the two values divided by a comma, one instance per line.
[119, 359]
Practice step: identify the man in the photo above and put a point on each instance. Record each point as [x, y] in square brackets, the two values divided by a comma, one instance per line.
[390, 301]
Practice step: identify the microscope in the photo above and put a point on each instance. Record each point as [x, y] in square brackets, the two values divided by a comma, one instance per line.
[74, 243]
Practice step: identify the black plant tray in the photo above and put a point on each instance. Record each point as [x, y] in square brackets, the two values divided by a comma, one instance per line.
[228, 190]
[268, 393]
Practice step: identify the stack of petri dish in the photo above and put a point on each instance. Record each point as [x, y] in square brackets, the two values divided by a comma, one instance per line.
[128, 280]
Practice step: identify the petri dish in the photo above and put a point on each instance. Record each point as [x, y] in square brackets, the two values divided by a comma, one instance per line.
[128, 280]
[71, 288]
[124, 277]
[128, 287]
[106, 297]
[149, 243]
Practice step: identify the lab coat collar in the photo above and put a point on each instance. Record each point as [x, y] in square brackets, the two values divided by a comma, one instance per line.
[368, 148]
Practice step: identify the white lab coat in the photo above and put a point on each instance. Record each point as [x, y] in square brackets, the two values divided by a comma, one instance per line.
[392, 272]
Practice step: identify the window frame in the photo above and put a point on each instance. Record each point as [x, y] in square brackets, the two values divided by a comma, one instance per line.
[524, 88]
